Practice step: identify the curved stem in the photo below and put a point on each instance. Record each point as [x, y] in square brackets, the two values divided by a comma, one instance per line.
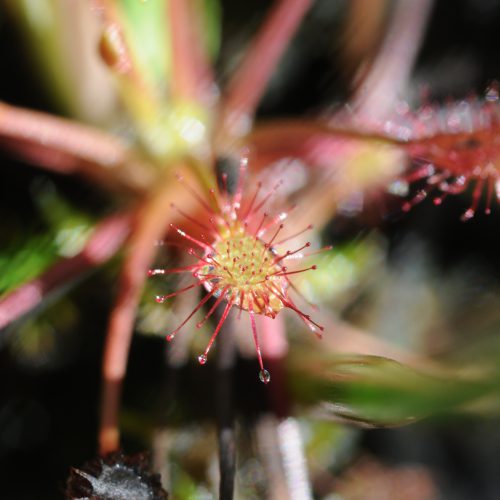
[150, 225]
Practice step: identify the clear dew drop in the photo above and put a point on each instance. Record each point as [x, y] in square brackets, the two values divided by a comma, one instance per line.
[155, 272]
[399, 188]
[160, 299]
[202, 359]
[264, 376]
[170, 337]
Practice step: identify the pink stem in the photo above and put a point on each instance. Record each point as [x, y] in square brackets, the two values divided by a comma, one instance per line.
[249, 82]
[149, 226]
[105, 241]
[61, 134]
[391, 69]
[315, 142]
[68, 147]
[192, 77]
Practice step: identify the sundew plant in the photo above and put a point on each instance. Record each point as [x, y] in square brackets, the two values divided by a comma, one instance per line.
[235, 236]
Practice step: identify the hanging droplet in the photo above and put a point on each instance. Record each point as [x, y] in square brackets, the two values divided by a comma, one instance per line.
[202, 359]
[264, 376]
[170, 337]
[160, 299]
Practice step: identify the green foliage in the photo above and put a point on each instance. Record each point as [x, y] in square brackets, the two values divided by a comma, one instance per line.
[344, 269]
[146, 23]
[211, 11]
[30, 253]
[24, 258]
[381, 392]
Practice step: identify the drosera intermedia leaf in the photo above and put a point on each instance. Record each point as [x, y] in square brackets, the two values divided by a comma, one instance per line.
[376, 391]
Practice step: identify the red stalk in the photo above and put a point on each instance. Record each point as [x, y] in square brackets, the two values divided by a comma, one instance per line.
[251, 78]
